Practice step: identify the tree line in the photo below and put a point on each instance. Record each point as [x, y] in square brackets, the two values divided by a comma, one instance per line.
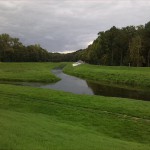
[120, 46]
[12, 50]
[117, 46]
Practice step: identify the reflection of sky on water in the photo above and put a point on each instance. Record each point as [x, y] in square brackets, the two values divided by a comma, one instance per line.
[79, 86]
[69, 84]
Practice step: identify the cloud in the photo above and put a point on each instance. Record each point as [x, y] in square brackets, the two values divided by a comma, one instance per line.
[65, 25]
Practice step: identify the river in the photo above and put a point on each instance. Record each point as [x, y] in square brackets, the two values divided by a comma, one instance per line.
[79, 86]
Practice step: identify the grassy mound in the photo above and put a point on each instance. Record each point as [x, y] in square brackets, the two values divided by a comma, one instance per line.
[130, 76]
[34, 118]
[28, 72]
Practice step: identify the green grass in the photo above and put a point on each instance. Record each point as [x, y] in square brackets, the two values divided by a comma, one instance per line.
[28, 72]
[34, 118]
[27, 132]
[136, 77]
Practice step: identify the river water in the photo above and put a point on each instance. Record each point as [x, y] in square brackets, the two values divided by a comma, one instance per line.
[69, 84]
[79, 86]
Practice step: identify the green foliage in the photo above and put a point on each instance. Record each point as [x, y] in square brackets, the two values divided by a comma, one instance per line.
[119, 46]
[135, 48]
[12, 50]
[34, 118]
[146, 49]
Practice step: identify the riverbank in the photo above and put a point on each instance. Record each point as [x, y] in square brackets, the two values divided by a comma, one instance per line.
[35, 118]
[127, 77]
[28, 72]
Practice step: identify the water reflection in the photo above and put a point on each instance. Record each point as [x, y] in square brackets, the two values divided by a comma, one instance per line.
[106, 90]
[79, 86]
[69, 84]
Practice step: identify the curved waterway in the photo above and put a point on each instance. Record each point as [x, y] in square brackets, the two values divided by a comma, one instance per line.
[69, 84]
[79, 86]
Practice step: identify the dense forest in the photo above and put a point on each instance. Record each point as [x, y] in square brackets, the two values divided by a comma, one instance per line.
[126, 46]
[117, 46]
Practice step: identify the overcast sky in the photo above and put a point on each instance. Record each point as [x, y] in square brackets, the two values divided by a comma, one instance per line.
[67, 25]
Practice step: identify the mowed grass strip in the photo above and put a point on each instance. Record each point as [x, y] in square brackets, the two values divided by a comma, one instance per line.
[28, 72]
[34, 118]
[30, 131]
[119, 75]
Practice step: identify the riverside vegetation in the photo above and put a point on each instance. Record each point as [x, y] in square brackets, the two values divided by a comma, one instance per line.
[36, 118]
[129, 77]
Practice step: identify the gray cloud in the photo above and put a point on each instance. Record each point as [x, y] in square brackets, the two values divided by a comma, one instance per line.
[68, 24]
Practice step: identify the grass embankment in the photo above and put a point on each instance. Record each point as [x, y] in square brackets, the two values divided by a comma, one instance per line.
[28, 72]
[136, 77]
[34, 118]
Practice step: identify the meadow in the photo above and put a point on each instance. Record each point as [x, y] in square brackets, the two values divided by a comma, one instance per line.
[28, 72]
[136, 77]
[36, 118]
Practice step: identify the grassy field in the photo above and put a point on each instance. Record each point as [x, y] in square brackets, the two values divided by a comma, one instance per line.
[36, 118]
[131, 76]
[28, 72]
